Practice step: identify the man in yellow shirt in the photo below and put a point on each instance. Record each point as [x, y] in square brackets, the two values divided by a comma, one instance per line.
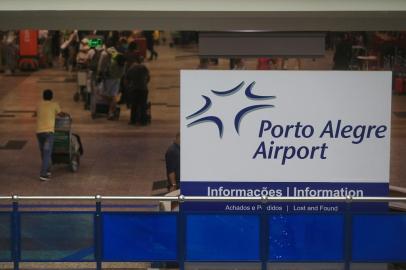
[47, 111]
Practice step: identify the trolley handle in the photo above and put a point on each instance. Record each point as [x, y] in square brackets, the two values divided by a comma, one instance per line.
[63, 121]
[63, 115]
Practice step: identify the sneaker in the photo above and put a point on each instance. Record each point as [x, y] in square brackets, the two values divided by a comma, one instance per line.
[49, 174]
[44, 178]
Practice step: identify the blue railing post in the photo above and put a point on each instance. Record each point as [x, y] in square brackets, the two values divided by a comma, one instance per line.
[181, 235]
[348, 234]
[15, 234]
[264, 235]
[98, 233]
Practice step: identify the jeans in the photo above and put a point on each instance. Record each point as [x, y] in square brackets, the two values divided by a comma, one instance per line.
[46, 143]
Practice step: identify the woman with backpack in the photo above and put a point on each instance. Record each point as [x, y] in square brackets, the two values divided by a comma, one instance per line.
[109, 72]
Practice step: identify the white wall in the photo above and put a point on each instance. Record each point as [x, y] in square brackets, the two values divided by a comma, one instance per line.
[207, 5]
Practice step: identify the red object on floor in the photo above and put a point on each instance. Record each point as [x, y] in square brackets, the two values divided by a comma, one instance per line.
[399, 86]
[28, 43]
[28, 49]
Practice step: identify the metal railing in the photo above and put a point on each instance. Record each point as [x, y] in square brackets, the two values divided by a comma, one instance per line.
[263, 215]
[185, 198]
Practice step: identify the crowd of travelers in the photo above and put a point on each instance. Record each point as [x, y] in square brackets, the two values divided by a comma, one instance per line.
[115, 73]
[113, 64]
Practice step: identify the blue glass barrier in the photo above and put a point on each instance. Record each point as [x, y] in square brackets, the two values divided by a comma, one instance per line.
[379, 238]
[306, 238]
[213, 237]
[61, 236]
[5, 237]
[140, 237]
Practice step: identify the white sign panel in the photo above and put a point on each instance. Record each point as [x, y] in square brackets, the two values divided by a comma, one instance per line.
[284, 127]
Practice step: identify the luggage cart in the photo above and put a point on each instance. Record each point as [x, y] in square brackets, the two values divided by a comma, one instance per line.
[67, 146]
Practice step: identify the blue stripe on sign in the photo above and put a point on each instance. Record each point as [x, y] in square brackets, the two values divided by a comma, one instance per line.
[280, 189]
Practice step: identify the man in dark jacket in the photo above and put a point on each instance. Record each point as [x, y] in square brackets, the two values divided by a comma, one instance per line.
[149, 38]
[137, 78]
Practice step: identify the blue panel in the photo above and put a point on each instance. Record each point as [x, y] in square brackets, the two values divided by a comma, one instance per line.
[222, 238]
[57, 237]
[139, 237]
[379, 238]
[316, 238]
[5, 237]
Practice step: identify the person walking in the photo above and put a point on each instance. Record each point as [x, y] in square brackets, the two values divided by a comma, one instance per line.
[149, 38]
[172, 160]
[137, 79]
[110, 70]
[47, 111]
[11, 53]
[56, 43]
[132, 55]
[343, 53]
[47, 51]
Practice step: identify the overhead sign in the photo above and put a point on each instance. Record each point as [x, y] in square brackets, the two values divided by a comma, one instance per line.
[95, 42]
[285, 133]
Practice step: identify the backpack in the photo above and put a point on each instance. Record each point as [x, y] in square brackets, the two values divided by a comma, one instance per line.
[104, 64]
[113, 66]
[94, 62]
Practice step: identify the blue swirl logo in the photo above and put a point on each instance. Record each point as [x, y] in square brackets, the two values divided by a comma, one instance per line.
[238, 117]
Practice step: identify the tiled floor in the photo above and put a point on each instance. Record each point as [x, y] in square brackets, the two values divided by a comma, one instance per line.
[119, 159]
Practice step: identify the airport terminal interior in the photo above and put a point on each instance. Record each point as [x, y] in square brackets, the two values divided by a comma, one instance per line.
[126, 157]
